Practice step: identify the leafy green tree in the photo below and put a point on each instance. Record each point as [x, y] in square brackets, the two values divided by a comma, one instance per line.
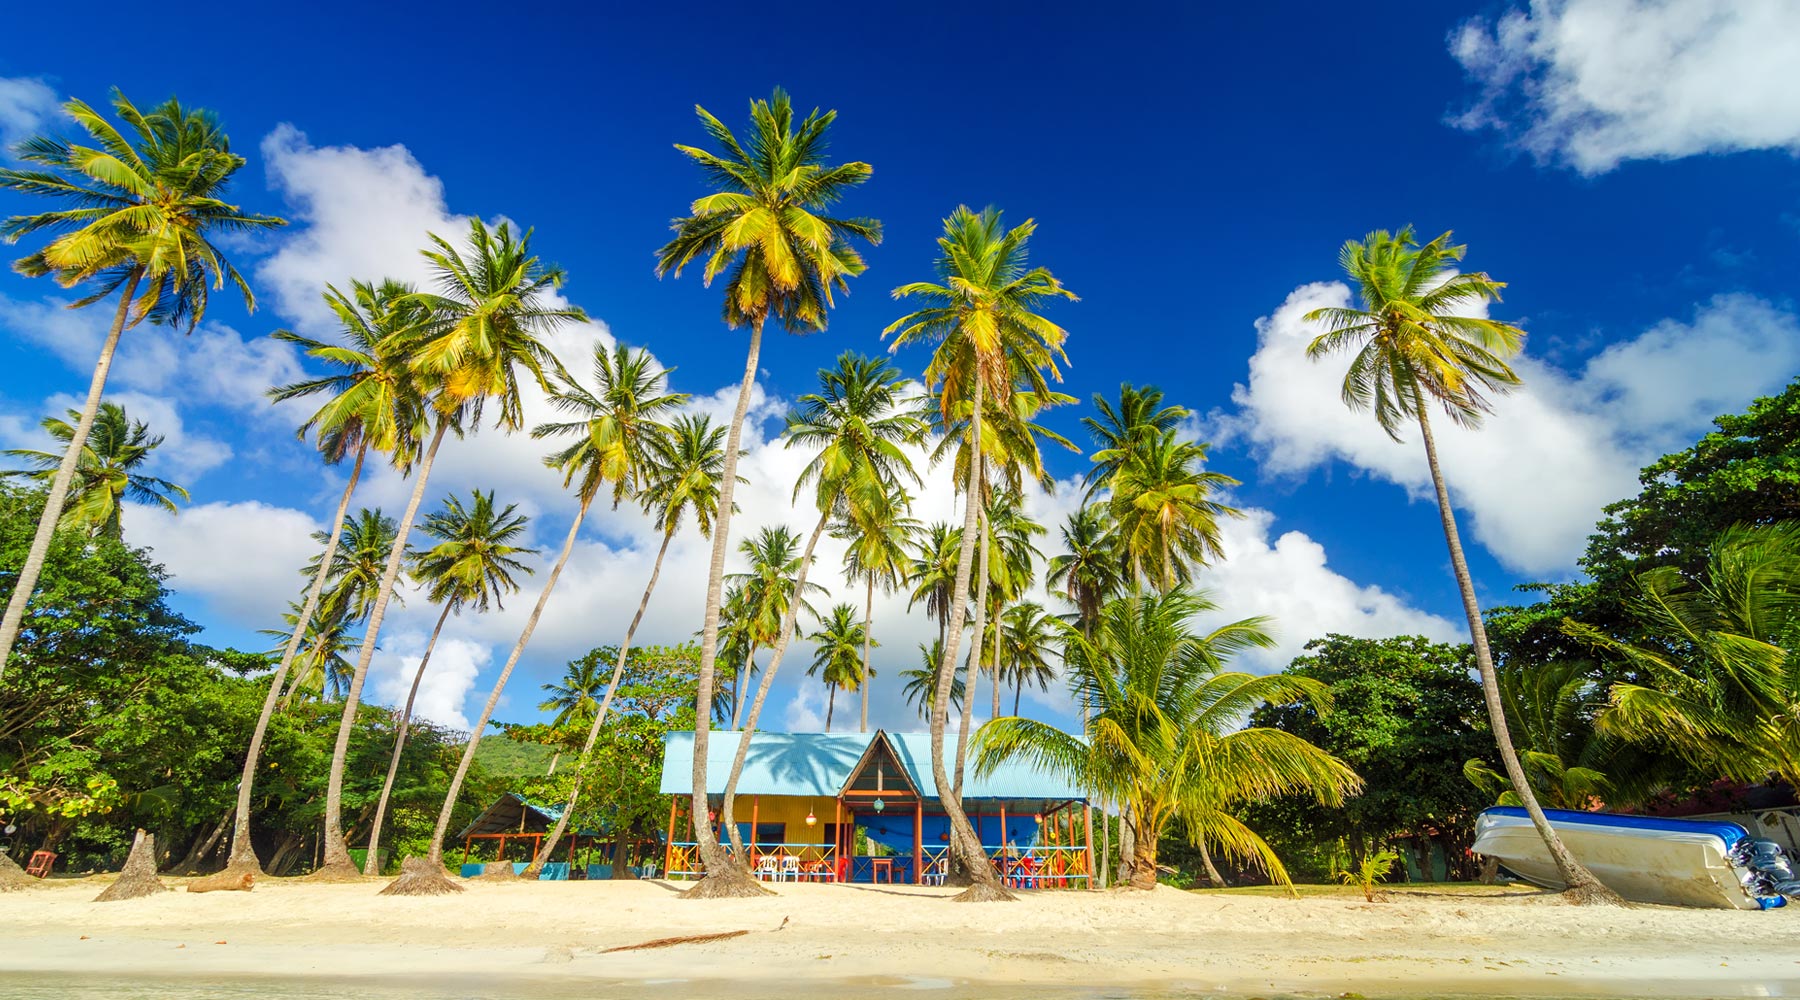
[764, 227]
[1165, 521]
[1551, 707]
[142, 211]
[1411, 349]
[837, 654]
[320, 669]
[766, 592]
[932, 572]
[1405, 715]
[1165, 737]
[1116, 430]
[104, 474]
[353, 574]
[574, 700]
[983, 314]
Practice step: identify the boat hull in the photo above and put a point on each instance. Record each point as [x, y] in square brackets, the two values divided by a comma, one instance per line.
[1643, 859]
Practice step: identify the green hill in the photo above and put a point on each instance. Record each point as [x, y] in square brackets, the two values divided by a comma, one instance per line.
[504, 758]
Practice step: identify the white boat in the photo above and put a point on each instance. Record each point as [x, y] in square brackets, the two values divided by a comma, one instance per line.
[1645, 859]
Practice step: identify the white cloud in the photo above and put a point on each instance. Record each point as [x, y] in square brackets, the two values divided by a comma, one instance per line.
[1596, 82]
[27, 104]
[1534, 477]
[183, 456]
[448, 678]
[244, 559]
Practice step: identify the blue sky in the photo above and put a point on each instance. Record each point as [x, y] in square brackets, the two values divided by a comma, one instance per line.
[1627, 166]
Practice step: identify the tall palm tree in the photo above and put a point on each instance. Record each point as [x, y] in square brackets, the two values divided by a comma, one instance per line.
[764, 227]
[353, 574]
[482, 327]
[1089, 571]
[876, 553]
[860, 420]
[576, 698]
[837, 655]
[683, 477]
[471, 566]
[320, 668]
[1165, 736]
[104, 474]
[983, 315]
[1411, 349]
[373, 403]
[920, 687]
[142, 211]
[764, 594]
[1721, 683]
[1161, 506]
[1029, 637]
[1140, 412]
[932, 572]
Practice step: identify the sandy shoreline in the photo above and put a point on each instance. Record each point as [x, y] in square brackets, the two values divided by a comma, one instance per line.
[546, 939]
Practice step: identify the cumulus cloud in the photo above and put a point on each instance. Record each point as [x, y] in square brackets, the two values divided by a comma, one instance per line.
[27, 104]
[243, 559]
[448, 678]
[1534, 477]
[1593, 83]
[183, 456]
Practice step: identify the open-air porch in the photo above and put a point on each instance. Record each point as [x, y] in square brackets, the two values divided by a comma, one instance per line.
[861, 807]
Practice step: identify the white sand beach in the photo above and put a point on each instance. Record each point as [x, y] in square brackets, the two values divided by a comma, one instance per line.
[545, 935]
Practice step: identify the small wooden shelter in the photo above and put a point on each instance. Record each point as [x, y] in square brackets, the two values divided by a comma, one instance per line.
[515, 819]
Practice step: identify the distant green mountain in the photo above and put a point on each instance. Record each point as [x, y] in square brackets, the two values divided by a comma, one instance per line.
[504, 758]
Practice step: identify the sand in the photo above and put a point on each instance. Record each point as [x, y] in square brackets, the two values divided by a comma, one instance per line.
[549, 939]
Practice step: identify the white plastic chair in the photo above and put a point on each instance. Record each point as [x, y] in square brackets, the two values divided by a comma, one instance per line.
[790, 867]
[766, 869]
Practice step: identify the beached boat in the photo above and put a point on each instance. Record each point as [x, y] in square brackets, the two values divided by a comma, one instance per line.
[1645, 859]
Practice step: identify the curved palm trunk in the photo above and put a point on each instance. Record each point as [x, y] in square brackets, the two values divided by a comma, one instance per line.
[830, 704]
[434, 861]
[1583, 886]
[724, 877]
[337, 863]
[788, 618]
[1212, 871]
[587, 747]
[868, 639]
[973, 669]
[737, 687]
[963, 844]
[371, 866]
[14, 620]
[243, 853]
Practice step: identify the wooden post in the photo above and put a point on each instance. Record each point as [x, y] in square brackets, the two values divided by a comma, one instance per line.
[1003, 841]
[755, 804]
[669, 845]
[465, 850]
[918, 841]
[1087, 822]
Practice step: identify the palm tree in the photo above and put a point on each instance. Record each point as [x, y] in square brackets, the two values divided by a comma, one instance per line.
[1160, 502]
[494, 302]
[1089, 572]
[1721, 685]
[837, 655]
[860, 420]
[1027, 636]
[1164, 737]
[1140, 412]
[932, 572]
[472, 565]
[575, 699]
[321, 666]
[683, 476]
[1016, 557]
[140, 216]
[373, 404]
[920, 687]
[764, 595]
[353, 574]
[1411, 349]
[983, 315]
[104, 472]
[764, 228]
[876, 553]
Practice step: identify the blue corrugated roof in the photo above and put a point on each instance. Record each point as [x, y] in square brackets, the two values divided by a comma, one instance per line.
[818, 764]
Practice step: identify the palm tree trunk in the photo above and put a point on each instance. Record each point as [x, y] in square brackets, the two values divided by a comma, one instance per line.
[1018, 692]
[1127, 843]
[243, 854]
[371, 867]
[1583, 887]
[868, 638]
[59, 485]
[830, 704]
[977, 642]
[999, 628]
[1105, 847]
[782, 639]
[337, 851]
[1212, 871]
[963, 844]
[1143, 861]
[726, 877]
[436, 858]
[593, 736]
[737, 687]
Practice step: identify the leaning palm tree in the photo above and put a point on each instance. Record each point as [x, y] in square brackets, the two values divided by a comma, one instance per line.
[1720, 681]
[320, 668]
[861, 420]
[105, 474]
[142, 211]
[353, 573]
[766, 230]
[983, 316]
[1160, 501]
[875, 553]
[372, 404]
[1165, 736]
[837, 655]
[1029, 637]
[493, 303]
[577, 696]
[683, 477]
[1140, 412]
[759, 599]
[471, 566]
[1411, 349]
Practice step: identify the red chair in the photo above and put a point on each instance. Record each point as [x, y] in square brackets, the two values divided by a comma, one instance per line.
[40, 864]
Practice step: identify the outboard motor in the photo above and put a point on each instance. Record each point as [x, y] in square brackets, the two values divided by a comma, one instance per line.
[1765, 869]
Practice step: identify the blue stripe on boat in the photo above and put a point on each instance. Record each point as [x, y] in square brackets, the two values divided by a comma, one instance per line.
[1730, 833]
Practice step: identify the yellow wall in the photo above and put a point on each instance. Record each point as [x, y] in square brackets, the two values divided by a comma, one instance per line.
[790, 810]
